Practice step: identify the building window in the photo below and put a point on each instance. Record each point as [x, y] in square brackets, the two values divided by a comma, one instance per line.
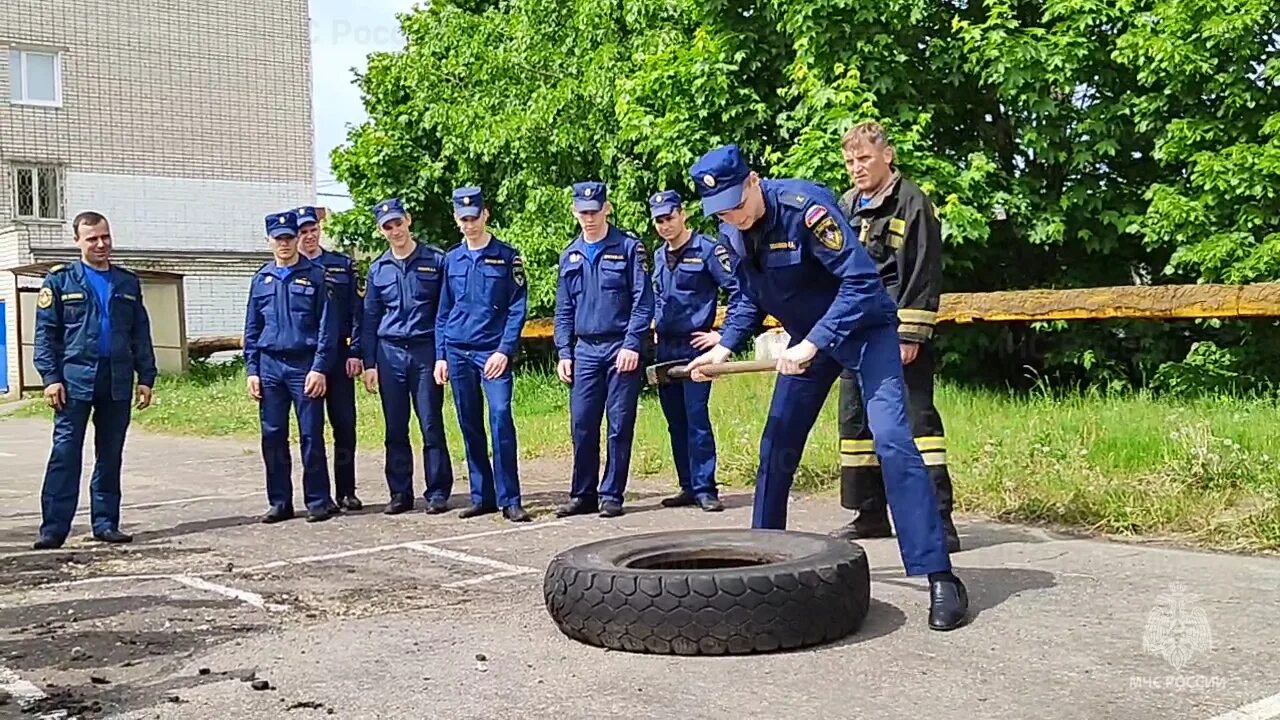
[37, 192]
[35, 77]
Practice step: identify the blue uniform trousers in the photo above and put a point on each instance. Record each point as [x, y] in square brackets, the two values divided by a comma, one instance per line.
[61, 492]
[340, 402]
[685, 405]
[405, 382]
[283, 377]
[600, 390]
[496, 485]
[797, 400]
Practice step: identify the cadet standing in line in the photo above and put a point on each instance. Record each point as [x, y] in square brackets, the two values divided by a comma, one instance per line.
[797, 260]
[93, 335]
[290, 345]
[688, 271]
[401, 296]
[899, 227]
[604, 305]
[340, 387]
[482, 311]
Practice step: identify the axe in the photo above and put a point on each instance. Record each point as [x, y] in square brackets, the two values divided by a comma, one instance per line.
[669, 372]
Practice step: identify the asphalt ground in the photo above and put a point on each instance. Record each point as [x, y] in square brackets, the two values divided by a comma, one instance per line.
[417, 616]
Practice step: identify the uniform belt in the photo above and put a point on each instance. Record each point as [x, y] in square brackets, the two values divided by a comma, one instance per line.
[290, 354]
[408, 342]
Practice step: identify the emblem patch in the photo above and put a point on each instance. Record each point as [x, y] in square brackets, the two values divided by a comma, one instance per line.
[722, 254]
[642, 254]
[45, 298]
[829, 234]
[574, 257]
[898, 226]
[813, 215]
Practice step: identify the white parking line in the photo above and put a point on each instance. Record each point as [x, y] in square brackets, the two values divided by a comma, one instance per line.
[196, 580]
[1264, 709]
[244, 596]
[142, 506]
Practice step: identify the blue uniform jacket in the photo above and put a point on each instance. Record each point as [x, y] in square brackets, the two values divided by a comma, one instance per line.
[609, 299]
[67, 328]
[291, 316]
[803, 264]
[483, 300]
[401, 297]
[686, 291]
[348, 302]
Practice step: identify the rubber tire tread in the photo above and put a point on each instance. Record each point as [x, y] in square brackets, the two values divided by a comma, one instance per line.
[733, 611]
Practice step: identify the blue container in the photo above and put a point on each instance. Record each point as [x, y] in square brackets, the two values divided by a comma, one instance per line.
[4, 349]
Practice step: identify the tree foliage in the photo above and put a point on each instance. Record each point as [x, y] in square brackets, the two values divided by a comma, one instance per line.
[1067, 143]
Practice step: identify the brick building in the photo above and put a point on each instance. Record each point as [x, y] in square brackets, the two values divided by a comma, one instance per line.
[184, 124]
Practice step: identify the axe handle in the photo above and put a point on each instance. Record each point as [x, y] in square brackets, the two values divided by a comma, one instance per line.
[730, 368]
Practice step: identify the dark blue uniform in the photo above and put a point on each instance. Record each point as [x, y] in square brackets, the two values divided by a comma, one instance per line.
[802, 264]
[687, 284]
[401, 298]
[340, 388]
[290, 330]
[482, 311]
[94, 343]
[604, 304]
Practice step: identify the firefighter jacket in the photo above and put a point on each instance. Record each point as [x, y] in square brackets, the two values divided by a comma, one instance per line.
[902, 233]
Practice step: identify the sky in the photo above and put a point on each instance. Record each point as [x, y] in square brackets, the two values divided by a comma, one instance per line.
[343, 33]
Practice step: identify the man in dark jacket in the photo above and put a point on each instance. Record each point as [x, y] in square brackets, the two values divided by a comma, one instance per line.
[93, 336]
[899, 227]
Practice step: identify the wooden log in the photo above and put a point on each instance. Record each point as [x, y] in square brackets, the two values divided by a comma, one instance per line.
[1124, 302]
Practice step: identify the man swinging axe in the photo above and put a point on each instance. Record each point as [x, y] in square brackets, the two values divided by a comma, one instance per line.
[798, 260]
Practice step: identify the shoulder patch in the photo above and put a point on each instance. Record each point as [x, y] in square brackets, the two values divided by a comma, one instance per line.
[57, 268]
[722, 254]
[642, 254]
[829, 233]
[794, 199]
[45, 299]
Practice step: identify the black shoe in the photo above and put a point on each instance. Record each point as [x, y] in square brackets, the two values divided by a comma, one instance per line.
[350, 502]
[865, 527]
[277, 514]
[953, 537]
[475, 510]
[948, 603]
[683, 499]
[610, 509]
[322, 514]
[515, 513]
[435, 506]
[710, 504]
[48, 542]
[332, 508]
[399, 504]
[577, 506]
[112, 536]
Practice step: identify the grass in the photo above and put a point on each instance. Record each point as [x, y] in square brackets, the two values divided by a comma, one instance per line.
[1203, 471]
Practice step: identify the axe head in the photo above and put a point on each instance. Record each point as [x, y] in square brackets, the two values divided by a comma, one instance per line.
[666, 373]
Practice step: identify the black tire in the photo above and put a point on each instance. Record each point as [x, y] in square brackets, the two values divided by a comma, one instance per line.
[709, 592]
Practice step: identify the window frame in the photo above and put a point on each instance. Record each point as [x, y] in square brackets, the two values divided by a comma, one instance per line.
[19, 96]
[35, 168]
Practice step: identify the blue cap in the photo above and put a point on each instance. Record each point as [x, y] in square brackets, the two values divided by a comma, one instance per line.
[589, 196]
[719, 177]
[282, 223]
[388, 209]
[467, 202]
[307, 214]
[664, 203]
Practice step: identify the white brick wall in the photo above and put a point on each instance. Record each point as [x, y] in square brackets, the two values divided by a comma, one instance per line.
[217, 90]
[161, 213]
[10, 257]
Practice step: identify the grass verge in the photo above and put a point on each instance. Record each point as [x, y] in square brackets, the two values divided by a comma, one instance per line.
[1203, 471]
